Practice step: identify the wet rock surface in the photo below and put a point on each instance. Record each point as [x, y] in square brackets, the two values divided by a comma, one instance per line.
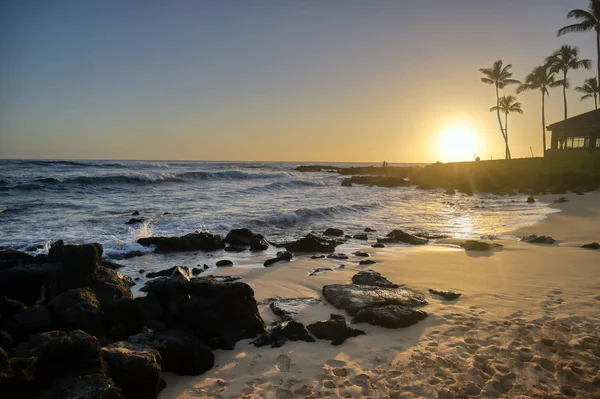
[287, 308]
[183, 271]
[370, 277]
[282, 256]
[189, 242]
[280, 334]
[533, 239]
[338, 256]
[473, 245]
[333, 232]
[390, 316]
[353, 297]
[447, 295]
[311, 243]
[135, 368]
[400, 237]
[60, 308]
[335, 330]
[593, 245]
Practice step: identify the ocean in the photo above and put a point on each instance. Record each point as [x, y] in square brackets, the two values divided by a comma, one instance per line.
[90, 201]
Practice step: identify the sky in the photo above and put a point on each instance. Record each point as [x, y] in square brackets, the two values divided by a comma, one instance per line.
[280, 80]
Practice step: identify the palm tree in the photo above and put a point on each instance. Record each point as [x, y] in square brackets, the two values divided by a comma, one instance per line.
[508, 105]
[499, 76]
[589, 19]
[590, 89]
[540, 79]
[564, 59]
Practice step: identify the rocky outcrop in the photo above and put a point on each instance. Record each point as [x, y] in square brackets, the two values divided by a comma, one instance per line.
[530, 200]
[93, 386]
[593, 245]
[282, 256]
[390, 316]
[287, 308]
[280, 334]
[78, 309]
[190, 242]
[135, 368]
[372, 278]
[224, 263]
[337, 256]
[473, 245]
[134, 221]
[447, 295]
[335, 330]
[366, 262]
[533, 239]
[353, 297]
[219, 313]
[183, 271]
[361, 254]
[333, 232]
[311, 243]
[244, 238]
[400, 237]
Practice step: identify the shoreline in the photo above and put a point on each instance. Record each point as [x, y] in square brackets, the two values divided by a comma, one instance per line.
[513, 299]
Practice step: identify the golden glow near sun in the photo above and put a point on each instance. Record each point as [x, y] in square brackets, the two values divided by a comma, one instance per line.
[458, 141]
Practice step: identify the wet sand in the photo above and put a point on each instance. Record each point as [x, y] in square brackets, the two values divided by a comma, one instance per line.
[526, 324]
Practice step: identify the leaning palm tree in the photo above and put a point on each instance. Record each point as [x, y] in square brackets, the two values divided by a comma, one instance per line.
[590, 89]
[588, 20]
[540, 79]
[563, 60]
[507, 105]
[499, 76]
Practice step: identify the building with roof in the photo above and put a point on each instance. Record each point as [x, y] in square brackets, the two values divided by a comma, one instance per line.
[579, 134]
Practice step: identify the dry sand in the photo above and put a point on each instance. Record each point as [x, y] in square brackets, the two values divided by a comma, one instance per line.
[526, 325]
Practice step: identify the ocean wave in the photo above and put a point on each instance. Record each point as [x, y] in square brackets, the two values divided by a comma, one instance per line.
[139, 178]
[229, 175]
[302, 214]
[288, 185]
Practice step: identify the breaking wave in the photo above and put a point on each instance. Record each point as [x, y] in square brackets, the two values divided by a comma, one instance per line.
[303, 214]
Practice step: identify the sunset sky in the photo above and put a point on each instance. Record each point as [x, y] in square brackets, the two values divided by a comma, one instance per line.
[303, 80]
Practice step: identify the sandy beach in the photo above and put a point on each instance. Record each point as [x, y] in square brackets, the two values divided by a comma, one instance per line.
[525, 325]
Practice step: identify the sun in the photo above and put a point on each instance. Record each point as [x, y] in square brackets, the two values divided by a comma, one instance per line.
[458, 142]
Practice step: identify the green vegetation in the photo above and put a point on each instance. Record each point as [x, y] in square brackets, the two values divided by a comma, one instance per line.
[590, 89]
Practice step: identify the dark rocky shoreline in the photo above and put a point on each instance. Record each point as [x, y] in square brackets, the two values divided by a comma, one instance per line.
[70, 326]
[528, 176]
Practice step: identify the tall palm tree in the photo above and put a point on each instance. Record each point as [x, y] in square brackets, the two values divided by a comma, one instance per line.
[540, 79]
[590, 89]
[499, 76]
[588, 19]
[563, 60]
[507, 105]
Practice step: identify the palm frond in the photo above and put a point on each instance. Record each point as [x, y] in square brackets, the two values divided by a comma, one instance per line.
[576, 28]
[525, 87]
[495, 108]
[587, 64]
[586, 97]
[511, 82]
[580, 14]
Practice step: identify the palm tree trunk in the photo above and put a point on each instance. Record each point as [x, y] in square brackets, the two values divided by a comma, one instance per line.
[543, 124]
[506, 135]
[596, 101]
[506, 153]
[598, 52]
[565, 92]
